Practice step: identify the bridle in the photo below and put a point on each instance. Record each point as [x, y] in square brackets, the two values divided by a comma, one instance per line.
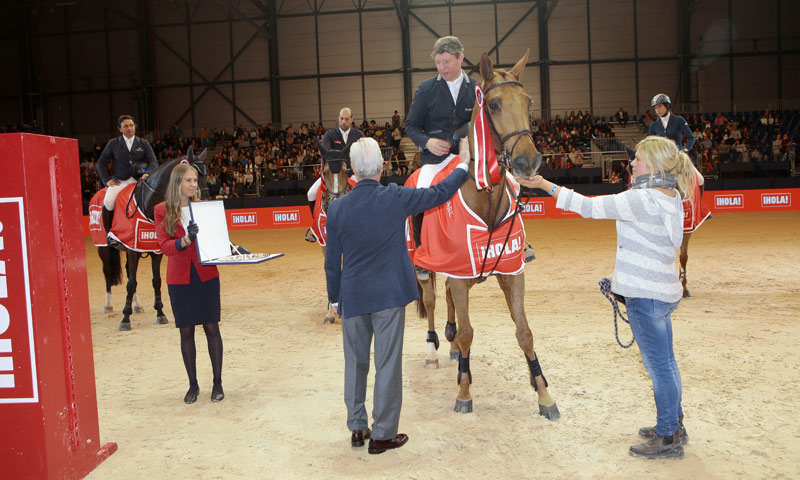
[329, 195]
[504, 159]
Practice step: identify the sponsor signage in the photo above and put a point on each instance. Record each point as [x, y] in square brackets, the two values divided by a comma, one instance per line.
[778, 199]
[18, 382]
[286, 217]
[722, 201]
[533, 207]
[241, 219]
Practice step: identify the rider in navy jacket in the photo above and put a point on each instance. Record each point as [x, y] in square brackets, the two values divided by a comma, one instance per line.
[676, 124]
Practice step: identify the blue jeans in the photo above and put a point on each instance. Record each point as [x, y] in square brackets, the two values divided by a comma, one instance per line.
[651, 322]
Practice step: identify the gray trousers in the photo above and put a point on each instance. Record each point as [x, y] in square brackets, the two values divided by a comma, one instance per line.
[387, 397]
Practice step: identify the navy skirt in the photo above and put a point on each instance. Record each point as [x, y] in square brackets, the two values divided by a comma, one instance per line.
[196, 303]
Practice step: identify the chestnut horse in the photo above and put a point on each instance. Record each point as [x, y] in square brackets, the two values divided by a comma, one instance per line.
[506, 107]
[335, 183]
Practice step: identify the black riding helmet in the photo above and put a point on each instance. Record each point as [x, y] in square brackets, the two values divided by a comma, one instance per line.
[659, 99]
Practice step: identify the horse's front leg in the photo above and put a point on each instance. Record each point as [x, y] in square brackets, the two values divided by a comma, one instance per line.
[155, 263]
[459, 289]
[684, 257]
[427, 289]
[513, 287]
[331, 315]
[451, 327]
[132, 265]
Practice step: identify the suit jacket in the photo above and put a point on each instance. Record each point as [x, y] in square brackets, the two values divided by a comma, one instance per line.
[433, 113]
[367, 266]
[178, 266]
[333, 138]
[675, 127]
[124, 160]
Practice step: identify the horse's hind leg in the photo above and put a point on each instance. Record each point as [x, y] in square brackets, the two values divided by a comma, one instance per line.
[463, 338]
[137, 307]
[428, 296]
[514, 290]
[451, 328]
[155, 263]
[684, 257]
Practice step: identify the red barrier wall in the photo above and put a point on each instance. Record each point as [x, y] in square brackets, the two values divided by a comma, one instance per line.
[538, 207]
[48, 403]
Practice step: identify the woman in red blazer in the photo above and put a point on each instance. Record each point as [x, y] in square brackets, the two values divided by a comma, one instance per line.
[193, 288]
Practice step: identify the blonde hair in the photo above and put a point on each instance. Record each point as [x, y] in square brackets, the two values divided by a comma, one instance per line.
[662, 156]
[174, 196]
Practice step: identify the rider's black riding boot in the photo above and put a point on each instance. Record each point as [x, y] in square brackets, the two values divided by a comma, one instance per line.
[416, 224]
[310, 237]
[311, 205]
[108, 215]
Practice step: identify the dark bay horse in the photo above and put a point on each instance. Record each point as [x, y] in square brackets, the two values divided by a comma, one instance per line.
[506, 106]
[335, 183]
[147, 194]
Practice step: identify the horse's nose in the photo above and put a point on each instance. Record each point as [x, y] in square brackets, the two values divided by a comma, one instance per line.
[525, 165]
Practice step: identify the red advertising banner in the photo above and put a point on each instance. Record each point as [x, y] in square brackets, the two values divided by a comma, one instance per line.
[17, 353]
[537, 207]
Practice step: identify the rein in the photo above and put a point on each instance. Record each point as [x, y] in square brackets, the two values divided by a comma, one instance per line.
[505, 163]
[605, 288]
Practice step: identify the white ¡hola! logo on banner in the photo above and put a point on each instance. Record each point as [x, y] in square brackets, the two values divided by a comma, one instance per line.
[18, 382]
[533, 208]
[244, 219]
[770, 200]
[286, 217]
[729, 201]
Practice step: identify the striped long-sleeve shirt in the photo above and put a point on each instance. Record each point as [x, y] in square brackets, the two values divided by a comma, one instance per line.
[649, 231]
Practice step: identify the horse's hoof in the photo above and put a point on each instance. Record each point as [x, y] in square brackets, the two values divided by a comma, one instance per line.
[463, 406]
[432, 364]
[450, 331]
[161, 320]
[550, 413]
[124, 326]
[454, 354]
[138, 309]
[686, 293]
[108, 309]
[328, 321]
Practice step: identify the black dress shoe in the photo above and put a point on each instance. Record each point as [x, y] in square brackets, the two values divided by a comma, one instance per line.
[357, 437]
[191, 395]
[216, 393]
[380, 446]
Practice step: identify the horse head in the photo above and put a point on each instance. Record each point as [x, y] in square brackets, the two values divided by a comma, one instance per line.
[335, 165]
[506, 106]
[153, 190]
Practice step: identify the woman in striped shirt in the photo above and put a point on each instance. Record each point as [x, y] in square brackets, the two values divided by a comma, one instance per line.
[649, 231]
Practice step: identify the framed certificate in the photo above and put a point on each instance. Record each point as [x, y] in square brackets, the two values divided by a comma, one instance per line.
[213, 243]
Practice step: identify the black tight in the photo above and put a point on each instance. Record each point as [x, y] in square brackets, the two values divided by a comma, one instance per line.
[189, 351]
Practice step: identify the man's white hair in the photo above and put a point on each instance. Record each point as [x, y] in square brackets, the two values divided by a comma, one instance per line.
[365, 156]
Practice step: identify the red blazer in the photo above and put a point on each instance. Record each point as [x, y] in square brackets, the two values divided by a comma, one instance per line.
[178, 270]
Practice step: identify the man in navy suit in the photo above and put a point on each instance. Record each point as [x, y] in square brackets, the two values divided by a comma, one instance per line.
[125, 151]
[670, 125]
[334, 139]
[370, 281]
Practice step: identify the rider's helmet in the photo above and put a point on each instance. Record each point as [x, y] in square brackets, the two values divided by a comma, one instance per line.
[659, 99]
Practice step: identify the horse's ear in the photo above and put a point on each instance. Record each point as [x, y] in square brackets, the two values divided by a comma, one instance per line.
[487, 67]
[190, 154]
[520, 66]
[322, 148]
[346, 151]
[202, 156]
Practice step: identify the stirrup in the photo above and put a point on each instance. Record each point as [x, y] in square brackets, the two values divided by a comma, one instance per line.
[422, 274]
[529, 255]
[310, 237]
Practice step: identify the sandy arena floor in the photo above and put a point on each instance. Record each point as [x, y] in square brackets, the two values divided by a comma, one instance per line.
[284, 417]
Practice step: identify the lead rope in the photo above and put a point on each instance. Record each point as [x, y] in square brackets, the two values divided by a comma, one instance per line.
[605, 288]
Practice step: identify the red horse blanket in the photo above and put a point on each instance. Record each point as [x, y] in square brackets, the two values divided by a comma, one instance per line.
[320, 220]
[130, 227]
[695, 212]
[455, 241]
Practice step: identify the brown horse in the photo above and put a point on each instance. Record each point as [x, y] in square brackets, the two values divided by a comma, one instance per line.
[506, 107]
[335, 183]
[684, 254]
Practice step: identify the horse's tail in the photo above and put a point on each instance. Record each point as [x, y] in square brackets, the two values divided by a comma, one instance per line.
[421, 310]
[112, 265]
